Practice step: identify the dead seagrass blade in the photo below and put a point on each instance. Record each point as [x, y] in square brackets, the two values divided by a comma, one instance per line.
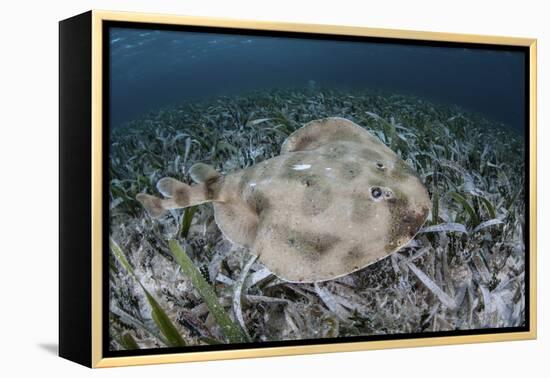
[335, 201]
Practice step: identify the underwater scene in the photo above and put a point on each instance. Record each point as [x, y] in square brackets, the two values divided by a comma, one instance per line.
[267, 188]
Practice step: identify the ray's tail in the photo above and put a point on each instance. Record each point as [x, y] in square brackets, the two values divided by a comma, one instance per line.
[178, 195]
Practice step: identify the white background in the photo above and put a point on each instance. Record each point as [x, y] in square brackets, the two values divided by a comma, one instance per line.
[29, 189]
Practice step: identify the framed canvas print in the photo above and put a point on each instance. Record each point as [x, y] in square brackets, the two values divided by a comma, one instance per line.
[235, 189]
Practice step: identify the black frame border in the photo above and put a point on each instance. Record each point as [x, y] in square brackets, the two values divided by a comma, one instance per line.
[75, 181]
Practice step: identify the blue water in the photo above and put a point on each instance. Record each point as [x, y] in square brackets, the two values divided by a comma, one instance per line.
[151, 69]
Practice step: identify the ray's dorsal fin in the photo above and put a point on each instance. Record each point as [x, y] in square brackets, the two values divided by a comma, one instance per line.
[155, 206]
[322, 131]
[179, 195]
[171, 188]
[201, 172]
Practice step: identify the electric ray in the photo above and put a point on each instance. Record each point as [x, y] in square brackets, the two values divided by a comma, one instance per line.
[334, 201]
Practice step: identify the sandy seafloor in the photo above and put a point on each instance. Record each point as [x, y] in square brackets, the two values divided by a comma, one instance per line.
[466, 270]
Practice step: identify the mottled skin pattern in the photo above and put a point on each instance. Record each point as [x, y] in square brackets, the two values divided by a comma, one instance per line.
[334, 201]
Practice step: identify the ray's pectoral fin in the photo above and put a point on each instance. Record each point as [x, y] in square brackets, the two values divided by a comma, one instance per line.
[237, 222]
[323, 131]
[180, 195]
[239, 214]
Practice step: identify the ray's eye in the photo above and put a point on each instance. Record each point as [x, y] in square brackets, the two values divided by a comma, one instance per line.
[380, 166]
[376, 192]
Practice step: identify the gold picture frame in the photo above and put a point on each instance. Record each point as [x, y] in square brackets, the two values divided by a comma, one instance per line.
[91, 25]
